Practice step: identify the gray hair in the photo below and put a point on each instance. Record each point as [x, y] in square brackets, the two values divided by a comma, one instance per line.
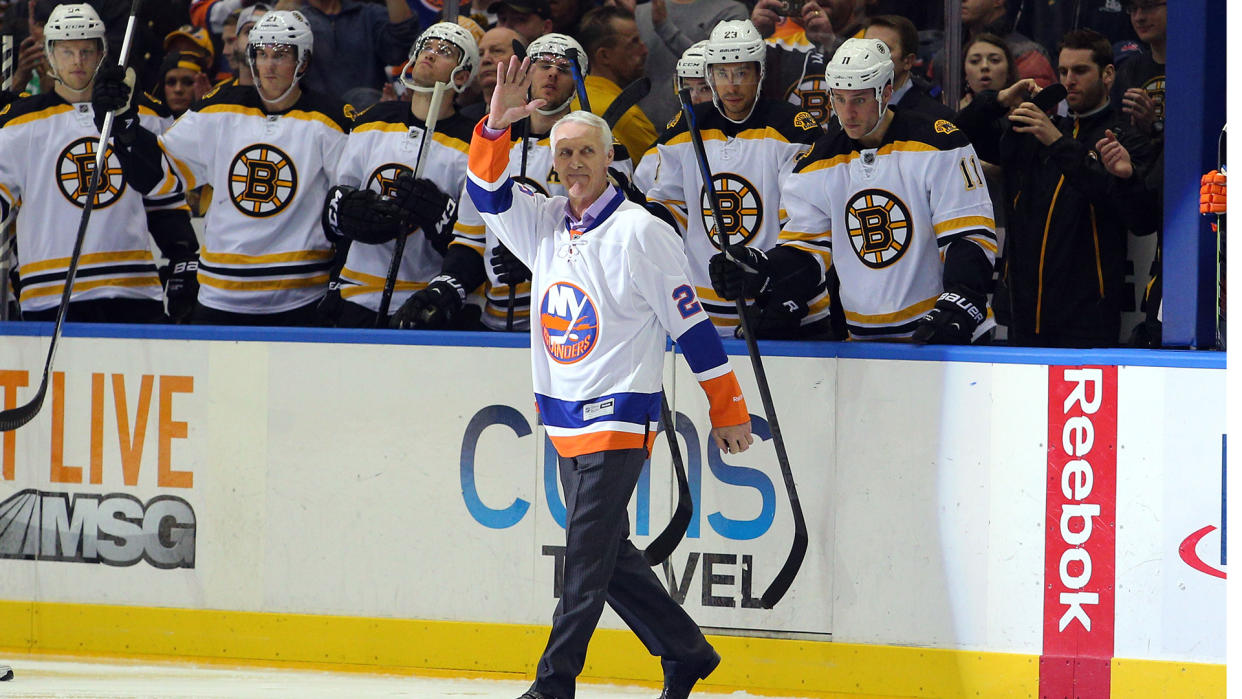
[583, 117]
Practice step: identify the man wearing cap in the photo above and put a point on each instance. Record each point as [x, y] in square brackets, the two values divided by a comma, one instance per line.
[530, 18]
[235, 43]
[354, 41]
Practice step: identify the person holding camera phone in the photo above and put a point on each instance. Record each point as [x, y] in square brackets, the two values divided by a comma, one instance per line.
[1066, 234]
[801, 36]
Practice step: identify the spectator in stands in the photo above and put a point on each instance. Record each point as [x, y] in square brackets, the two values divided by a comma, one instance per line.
[988, 64]
[228, 39]
[495, 47]
[1066, 243]
[801, 38]
[530, 18]
[246, 20]
[1139, 88]
[617, 58]
[566, 14]
[979, 16]
[668, 28]
[182, 81]
[909, 91]
[354, 41]
[32, 71]
[193, 40]
[1046, 21]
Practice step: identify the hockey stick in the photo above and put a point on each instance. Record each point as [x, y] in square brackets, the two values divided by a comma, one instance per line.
[664, 544]
[629, 97]
[6, 62]
[16, 417]
[452, 8]
[579, 82]
[429, 132]
[784, 578]
[520, 51]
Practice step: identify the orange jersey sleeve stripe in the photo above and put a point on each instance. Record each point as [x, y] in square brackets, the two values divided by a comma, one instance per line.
[489, 159]
[728, 408]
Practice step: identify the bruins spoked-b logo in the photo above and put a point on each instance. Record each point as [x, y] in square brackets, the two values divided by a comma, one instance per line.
[73, 174]
[811, 95]
[382, 178]
[262, 180]
[741, 209]
[879, 227]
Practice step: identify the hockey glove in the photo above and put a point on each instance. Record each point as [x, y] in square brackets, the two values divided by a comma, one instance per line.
[954, 318]
[424, 205]
[745, 276]
[181, 288]
[114, 92]
[362, 215]
[508, 268]
[431, 308]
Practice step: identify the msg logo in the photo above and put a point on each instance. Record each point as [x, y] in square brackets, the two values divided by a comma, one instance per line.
[114, 529]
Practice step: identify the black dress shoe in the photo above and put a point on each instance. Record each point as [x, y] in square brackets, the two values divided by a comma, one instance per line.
[678, 686]
[532, 694]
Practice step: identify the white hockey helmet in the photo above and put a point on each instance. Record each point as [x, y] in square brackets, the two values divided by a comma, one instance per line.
[70, 22]
[456, 35]
[734, 41]
[693, 62]
[861, 64]
[283, 27]
[557, 45]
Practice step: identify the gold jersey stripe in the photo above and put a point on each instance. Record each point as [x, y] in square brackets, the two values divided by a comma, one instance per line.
[964, 222]
[265, 285]
[895, 146]
[58, 289]
[91, 258]
[905, 315]
[232, 258]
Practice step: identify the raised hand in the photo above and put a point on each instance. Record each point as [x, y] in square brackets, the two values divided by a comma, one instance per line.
[509, 98]
[1114, 156]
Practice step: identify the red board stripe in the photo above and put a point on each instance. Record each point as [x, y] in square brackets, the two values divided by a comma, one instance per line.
[1080, 533]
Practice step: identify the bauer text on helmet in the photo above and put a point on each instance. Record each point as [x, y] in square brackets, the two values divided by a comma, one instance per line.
[550, 55]
[449, 40]
[860, 73]
[735, 67]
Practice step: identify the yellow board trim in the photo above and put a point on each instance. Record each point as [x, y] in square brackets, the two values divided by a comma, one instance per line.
[758, 665]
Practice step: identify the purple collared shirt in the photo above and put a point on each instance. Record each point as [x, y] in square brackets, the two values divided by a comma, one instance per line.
[593, 211]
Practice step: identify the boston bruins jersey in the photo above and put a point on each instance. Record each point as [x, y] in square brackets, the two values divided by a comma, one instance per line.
[884, 217]
[264, 249]
[748, 162]
[383, 144]
[47, 154]
[471, 231]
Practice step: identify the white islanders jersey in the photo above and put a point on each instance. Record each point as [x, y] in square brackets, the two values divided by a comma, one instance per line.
[607, 297]
[471, 231]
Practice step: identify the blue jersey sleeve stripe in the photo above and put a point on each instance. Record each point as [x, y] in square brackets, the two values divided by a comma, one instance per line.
[490, 201]
[702, 348]
[636, 408]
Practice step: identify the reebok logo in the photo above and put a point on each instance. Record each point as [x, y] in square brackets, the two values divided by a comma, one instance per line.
[115, 529]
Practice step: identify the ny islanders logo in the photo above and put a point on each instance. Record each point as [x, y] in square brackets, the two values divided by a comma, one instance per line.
[570, 322]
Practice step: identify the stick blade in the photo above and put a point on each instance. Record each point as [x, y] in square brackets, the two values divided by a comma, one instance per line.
[785, 577]
[663, 545]
[13, 418]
